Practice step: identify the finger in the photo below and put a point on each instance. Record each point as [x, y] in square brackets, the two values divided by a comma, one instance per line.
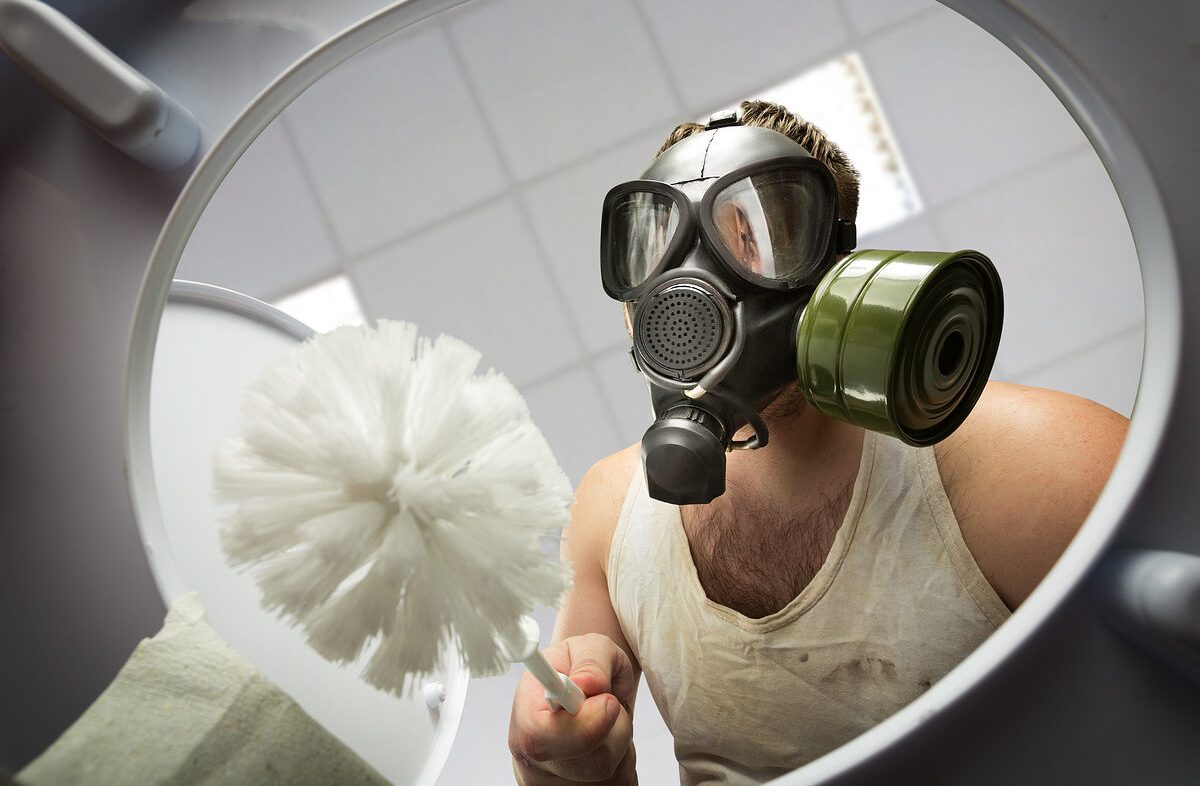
[530, 694]
[559, 656]
[545, 736]
[598, 665]
[606, 761]
[531, 775]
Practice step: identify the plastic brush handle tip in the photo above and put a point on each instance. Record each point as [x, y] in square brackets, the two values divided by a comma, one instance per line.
[568, 697]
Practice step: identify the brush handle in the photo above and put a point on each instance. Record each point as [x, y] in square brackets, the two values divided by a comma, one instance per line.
[521, 645]
[560, 691]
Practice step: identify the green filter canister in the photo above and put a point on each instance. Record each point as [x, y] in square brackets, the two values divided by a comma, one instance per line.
[901, 342]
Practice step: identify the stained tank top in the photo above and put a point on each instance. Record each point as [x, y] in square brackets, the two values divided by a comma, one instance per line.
[897, 603]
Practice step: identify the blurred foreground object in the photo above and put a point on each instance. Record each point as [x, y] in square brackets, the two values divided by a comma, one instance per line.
[186, 708]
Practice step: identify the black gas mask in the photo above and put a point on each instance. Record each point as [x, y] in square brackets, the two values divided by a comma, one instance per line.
[718, 248]
[716, 252]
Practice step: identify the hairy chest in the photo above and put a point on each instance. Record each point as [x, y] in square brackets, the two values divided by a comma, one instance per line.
[755, 556]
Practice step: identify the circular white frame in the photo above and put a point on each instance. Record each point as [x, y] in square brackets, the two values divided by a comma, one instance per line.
[1104, 128]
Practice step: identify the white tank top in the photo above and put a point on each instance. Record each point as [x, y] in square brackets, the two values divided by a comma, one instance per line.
[898, 602]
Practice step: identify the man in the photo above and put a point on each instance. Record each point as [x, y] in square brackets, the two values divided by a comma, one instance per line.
[838, 576]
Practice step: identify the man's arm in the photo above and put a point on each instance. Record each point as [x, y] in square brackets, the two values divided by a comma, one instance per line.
[588, 645]
[1022, 473]
[586, 542]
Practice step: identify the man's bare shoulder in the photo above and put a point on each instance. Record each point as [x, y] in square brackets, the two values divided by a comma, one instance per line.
[598, 501]
[1022, 473]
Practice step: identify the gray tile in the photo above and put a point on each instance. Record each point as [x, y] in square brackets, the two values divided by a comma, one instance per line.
[915, 234]
[627, 392]
[393, 140]
[560, 79]
[261, 233]
[571, 413]
[566, 214]
[1059, 238]
[868, 16]
[964, 109]
[1107, 373]
[720, 53]
[477, 278]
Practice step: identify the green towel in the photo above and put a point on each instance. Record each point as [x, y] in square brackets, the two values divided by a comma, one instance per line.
[187, 709]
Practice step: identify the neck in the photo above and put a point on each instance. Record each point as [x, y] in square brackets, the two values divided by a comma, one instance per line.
[808, 453]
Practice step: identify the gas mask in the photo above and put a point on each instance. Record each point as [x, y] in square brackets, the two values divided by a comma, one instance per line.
[726, 253]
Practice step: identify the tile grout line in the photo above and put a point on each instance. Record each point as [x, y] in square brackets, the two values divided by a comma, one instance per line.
[432, 225]
[345, 258]
[310, 185]
[505, 193]
[844, 14]
[593, 357]
[855, 42]
[340, 263]
[523, 211]
[656, 46]
[931, 211]
[1008, 177]
[1089, 346]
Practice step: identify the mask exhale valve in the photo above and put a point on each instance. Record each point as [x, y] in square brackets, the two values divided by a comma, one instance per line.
[683, 453]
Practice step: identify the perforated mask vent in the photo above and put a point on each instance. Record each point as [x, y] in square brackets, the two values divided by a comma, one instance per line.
[682, 329]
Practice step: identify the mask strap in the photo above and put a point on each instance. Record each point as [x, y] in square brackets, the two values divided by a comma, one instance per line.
[753, 419]
[846, 235]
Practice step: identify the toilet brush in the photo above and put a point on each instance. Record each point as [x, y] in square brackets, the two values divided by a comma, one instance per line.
[384, 494]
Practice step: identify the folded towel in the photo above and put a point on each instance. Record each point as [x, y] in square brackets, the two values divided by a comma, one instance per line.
[188, 709]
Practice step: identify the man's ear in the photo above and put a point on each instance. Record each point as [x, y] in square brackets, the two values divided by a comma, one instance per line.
[627, 310]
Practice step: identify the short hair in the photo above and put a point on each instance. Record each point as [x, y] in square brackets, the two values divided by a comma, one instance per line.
[765, 114]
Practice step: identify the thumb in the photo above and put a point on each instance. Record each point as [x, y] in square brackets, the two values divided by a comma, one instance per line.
[596, 718]
[591, 664]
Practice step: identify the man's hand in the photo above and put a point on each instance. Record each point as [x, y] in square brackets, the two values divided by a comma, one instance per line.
[549, 747]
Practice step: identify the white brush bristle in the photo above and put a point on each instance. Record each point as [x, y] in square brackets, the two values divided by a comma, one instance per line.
[384, 492]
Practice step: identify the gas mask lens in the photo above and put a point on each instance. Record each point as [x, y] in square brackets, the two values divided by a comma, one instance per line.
[776, 224]
[641, 225]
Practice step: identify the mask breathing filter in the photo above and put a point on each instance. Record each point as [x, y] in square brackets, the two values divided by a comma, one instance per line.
[901, 342]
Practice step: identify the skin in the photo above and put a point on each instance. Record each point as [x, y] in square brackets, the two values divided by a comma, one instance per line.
[1021, 473]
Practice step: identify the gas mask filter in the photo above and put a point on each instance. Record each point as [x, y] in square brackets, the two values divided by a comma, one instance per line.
[726, 253]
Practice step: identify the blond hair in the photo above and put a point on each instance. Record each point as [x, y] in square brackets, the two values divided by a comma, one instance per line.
[765, 114]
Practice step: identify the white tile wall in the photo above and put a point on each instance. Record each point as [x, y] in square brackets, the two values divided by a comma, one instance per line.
[915, 234]
[1059, 239]
[393, 140]
[560, 79]
[572, 414]
[261, 233]
[477, 278]
[964, 109]
[1107, 372]
[868, 16]
[627, 391]
[565, 209]
[718, 52]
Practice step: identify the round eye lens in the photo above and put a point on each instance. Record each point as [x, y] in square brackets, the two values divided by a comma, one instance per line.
[775, 224]
[640, 227]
